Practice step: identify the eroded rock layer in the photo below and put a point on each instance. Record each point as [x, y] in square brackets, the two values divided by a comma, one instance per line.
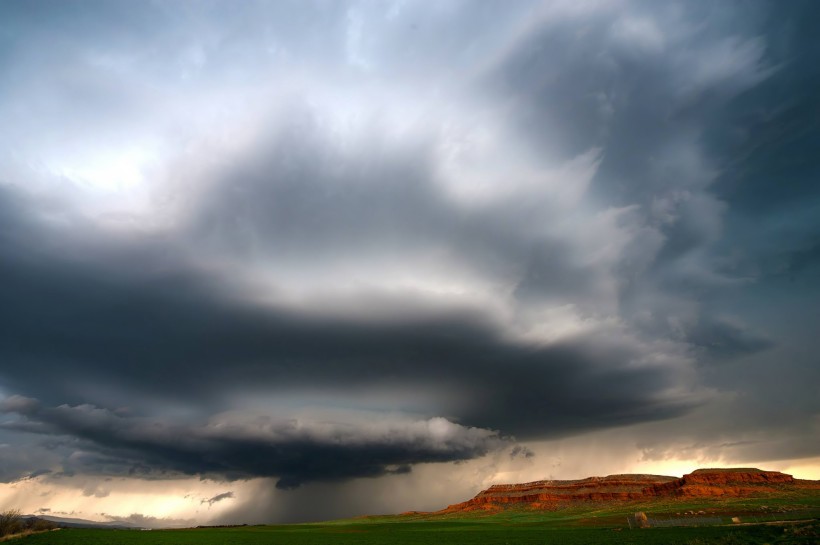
[701, 483]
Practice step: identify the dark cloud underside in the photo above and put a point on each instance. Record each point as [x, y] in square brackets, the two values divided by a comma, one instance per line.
[443, 227]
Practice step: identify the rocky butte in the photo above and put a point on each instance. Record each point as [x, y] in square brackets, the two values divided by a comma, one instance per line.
[702, 483]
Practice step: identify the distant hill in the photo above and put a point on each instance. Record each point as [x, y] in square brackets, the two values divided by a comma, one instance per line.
[702, 483]
[63, 522]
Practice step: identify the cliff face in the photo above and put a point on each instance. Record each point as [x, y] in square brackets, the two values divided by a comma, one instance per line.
[726, 482]
[700, 483]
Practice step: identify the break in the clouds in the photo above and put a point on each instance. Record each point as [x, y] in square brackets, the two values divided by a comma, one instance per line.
[318, 242]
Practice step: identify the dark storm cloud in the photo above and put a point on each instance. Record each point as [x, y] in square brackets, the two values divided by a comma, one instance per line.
[155, 325]
[597, 279]
[723, 340]
[669, 100]
[772, 129]
[219, 497]
[21, 458]
[642, 87]
[242, 446]
[519, 450]
[142, 326]
[139, 335]
[802, 260]
[306, 204]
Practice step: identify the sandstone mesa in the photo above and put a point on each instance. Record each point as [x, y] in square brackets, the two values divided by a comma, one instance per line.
[702, 483]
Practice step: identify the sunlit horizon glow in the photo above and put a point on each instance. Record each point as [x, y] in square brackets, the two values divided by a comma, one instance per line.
[183, 502]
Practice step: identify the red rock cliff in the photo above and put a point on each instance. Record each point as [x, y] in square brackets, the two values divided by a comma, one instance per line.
[700, 483]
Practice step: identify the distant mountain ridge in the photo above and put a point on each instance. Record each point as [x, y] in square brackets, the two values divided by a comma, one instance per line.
[65, 522]
[702, 483]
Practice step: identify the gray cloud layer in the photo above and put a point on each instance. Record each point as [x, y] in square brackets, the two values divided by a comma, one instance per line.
[236, 446]
[536, 219]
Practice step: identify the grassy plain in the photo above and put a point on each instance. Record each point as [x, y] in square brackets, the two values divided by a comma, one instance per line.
[579, 525]
[432, 533]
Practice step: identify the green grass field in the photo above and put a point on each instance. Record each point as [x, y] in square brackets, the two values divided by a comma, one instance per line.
[515, 526]
[417, 533]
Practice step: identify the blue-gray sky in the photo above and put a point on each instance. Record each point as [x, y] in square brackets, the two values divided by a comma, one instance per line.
[310, 245]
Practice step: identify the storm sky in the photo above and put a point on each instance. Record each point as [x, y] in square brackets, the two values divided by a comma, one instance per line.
[276, 261]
